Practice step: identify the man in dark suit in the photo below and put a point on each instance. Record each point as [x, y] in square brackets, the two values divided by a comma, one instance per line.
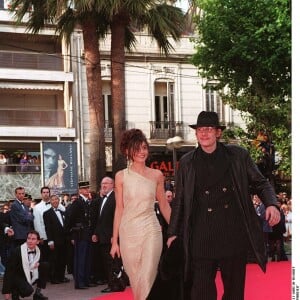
[54, 220]
[6, 235]
[81, 226]
[21, 218]
[105, 209]
[70, 246]
[24, 270]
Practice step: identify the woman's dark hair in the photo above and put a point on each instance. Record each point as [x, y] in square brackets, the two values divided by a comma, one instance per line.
[131, 142]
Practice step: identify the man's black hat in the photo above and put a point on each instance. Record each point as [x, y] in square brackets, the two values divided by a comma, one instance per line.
[83, 184]
[27, 196]
[208, 119]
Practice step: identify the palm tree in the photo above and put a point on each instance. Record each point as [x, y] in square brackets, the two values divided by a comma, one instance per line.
[162, 21]
[67, 15]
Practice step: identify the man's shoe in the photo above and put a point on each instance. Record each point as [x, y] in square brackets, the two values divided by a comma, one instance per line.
[107, 290]
[92, 284]
[81, 287]
[39, 296]
[55, 282]
[101, 282]
[15, 296]
[65, 280]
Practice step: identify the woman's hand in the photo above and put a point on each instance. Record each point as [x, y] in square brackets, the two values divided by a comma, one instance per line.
[115, 249]
[170, 240]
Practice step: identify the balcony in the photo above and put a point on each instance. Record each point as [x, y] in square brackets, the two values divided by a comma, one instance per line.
[165, 129]
[36, 61]
[108, 130]
[20, 169]
[49, 118]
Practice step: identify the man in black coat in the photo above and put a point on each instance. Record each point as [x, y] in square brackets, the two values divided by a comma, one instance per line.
[54, 220]
[24, 270]
[105, 209]
[6, 236]
[214, 211]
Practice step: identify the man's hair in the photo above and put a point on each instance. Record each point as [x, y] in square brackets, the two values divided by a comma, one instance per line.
[19, 189]
[34, 232]
[45, 187]
[54, 196]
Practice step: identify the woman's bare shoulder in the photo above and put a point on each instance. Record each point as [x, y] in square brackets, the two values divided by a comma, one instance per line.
[119, 175]
[155, 173]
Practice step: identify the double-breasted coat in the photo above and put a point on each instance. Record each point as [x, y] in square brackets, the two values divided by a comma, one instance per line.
[245, 176]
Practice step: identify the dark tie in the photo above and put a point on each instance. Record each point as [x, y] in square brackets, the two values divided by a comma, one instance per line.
[47, 203]
[60, 217]
[32, 252]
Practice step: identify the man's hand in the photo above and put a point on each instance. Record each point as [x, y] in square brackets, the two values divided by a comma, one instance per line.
[272, 215]
[94, 238]
[10, 232]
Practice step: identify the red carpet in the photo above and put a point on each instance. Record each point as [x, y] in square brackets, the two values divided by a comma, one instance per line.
[275, 284]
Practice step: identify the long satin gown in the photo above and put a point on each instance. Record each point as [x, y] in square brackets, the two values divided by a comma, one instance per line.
[140, 233]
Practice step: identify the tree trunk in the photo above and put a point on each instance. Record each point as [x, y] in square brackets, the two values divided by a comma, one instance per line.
[97, 160]
[118, 88]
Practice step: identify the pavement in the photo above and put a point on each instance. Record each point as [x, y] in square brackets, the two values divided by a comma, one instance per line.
[66, 291]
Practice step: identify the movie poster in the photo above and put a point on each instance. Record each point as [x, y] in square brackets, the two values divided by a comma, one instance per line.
[59, 167]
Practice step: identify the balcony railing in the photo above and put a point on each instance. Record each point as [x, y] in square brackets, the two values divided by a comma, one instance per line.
[108, 130]
[18, 168]
[53, 118]
[165, 129]
[36, 61]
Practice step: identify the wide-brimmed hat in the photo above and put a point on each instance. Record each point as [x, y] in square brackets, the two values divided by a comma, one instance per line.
[208, 119]
[83, 184]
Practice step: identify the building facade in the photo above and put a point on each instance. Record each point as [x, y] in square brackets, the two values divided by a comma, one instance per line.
[43, 98]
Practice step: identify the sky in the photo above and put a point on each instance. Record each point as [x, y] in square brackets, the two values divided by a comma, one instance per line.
[184, 4]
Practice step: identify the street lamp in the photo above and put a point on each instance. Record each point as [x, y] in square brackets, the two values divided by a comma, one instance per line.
[174, 143]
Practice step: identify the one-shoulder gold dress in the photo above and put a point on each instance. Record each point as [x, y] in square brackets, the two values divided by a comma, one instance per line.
[140, 233]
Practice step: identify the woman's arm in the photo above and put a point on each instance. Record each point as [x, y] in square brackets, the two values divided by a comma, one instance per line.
[164, 205]
[65, 165]
[118, 214]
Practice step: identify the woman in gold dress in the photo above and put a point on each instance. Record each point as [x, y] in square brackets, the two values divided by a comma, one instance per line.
[137, 236]
[57, 179]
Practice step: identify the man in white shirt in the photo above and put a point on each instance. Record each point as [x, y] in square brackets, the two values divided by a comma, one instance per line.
[38, 221]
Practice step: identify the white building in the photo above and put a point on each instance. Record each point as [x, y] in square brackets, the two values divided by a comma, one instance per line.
[43, 97]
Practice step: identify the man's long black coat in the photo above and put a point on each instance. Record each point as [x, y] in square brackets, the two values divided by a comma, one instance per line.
[245, 177]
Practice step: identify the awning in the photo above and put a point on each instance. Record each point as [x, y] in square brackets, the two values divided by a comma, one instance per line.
[31, 86]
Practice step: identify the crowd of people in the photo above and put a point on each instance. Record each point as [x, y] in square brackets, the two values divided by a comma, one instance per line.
[19, 162]
[277, 236]
[207, 221]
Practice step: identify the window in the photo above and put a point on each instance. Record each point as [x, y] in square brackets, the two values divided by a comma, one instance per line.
[16, 160]
[107, 106]
[107, 110]
[213, 102]
[164, 104]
